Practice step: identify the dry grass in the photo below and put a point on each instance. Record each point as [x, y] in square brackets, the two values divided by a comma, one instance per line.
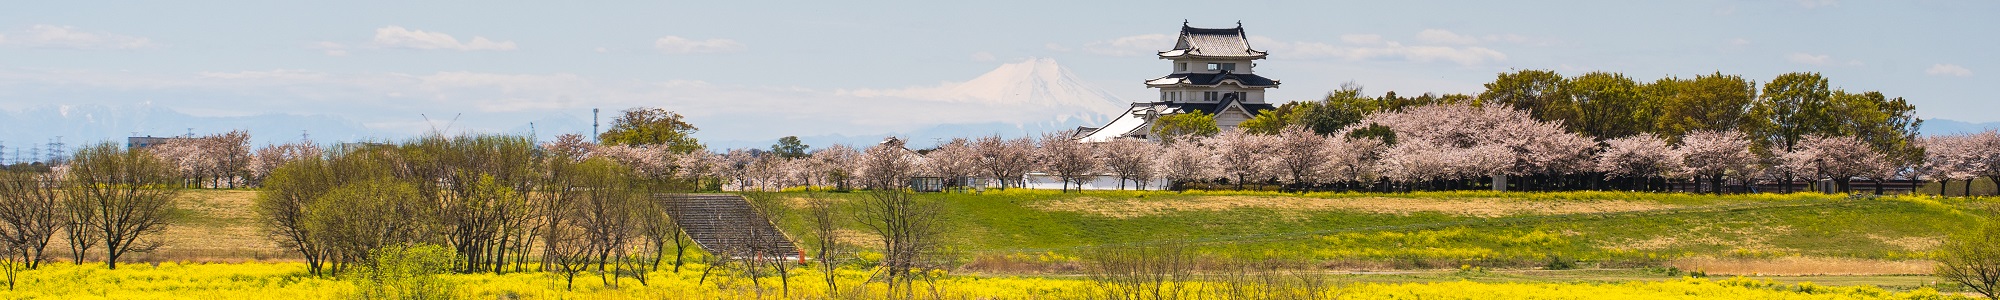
[1475, 207]
[219, 225]
[1802, 266]
[1751, 239]
[1910, 243]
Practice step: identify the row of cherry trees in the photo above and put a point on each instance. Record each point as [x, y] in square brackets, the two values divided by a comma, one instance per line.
[1432, 147]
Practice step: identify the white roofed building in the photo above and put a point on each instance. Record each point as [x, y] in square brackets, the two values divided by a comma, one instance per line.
[1213, 73]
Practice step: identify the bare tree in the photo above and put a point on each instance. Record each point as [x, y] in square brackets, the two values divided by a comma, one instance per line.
[1146, 272]
[910, 228]
[126, 191]
[826, 221]
[1067, 159]
[31, 213]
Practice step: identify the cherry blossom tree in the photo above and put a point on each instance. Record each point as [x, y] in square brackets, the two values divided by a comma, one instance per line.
[1300, 155]
[1985, 154]
[271, 157]
[836, 164]
[1951, 157]
[1351, 159]
[1240, 155]
[887, 166]
[1186, 160]
[1066, 158]
[1641, 157]
[572, 146]
[1714, 154]
[1005, 160]
[1836, 158]
[1461, 141]
[1131, 160]
[953, 161]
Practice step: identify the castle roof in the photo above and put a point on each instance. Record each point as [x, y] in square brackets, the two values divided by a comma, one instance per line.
[1212, 79]
[1212, 43]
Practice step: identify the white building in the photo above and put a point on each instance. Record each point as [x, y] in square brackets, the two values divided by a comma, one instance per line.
[1213, 73]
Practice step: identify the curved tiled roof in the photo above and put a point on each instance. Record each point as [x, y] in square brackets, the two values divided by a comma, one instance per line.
[1213, 42]
[1248, 80]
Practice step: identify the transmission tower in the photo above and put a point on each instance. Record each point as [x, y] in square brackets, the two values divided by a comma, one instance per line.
[56, 151]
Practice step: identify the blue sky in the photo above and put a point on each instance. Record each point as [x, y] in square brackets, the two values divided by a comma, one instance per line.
[767, 69]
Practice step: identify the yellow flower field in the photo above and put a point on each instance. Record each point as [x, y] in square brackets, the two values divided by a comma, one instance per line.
[287, 281]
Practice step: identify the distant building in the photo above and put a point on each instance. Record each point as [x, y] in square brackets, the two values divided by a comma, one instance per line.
[143, 142]
[1212, 74]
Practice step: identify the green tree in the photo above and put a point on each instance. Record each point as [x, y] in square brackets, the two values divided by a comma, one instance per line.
[789, 147]
[1973, 259]
[1706, 103]
[651, 126]
[1179, 125]
[1794, 105]
[1272, 121]
[1540, 92]
[1608, 106]
[1887, 124]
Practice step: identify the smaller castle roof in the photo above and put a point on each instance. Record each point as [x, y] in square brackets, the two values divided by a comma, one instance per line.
[1213, 43]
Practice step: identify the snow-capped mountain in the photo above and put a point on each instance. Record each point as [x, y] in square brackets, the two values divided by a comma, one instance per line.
[1030, 97]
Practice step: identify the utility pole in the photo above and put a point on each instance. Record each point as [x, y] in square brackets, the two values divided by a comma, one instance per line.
[3, 153]
[593, 126]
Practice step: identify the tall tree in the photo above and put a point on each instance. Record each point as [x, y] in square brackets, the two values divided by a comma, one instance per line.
[789, 147]
[1540, 92]
[1707, 102]
[127, 192]
[1608, 106]
[651, 126]
[1793, 106]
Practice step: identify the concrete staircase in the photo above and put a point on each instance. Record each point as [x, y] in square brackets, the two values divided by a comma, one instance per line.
[727, 224]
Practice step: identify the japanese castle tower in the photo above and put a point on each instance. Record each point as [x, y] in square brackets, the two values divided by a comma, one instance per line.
[1212, 74]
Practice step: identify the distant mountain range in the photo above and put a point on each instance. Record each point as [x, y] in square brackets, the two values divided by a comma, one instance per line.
[33, 129]
[1943, 127]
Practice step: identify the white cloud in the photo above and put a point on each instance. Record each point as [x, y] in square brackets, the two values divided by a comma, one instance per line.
[1055, 47]
[497, 101]
[399, 37]
[1948, 70]
[1441, 36]
[1808, 58]
[679, 45]
[1361, 39]
[330, 48]
[1810, 4]
[1739, 42]
[1387, 50]
[67, 37]
[1136, 45]
[982, 56]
